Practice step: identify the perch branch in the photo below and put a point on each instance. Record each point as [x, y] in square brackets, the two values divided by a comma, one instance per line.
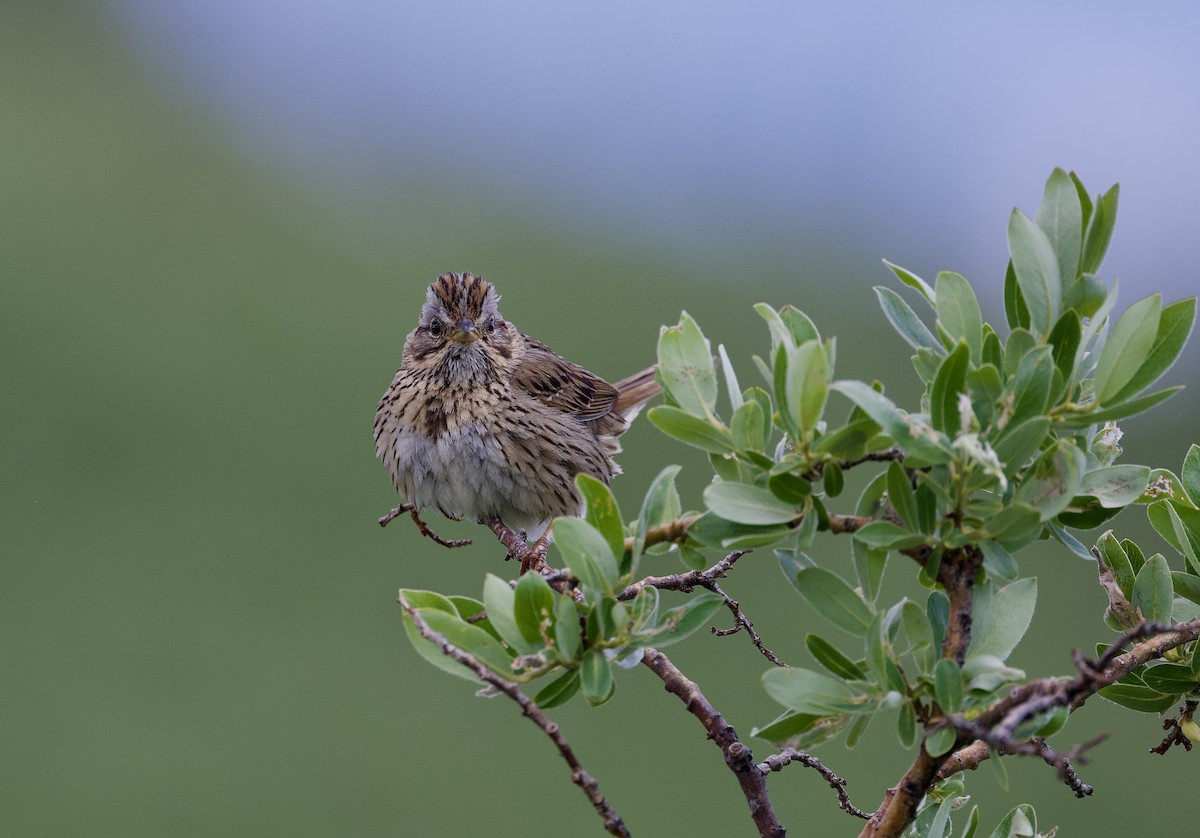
[737, 756]
[613, 823]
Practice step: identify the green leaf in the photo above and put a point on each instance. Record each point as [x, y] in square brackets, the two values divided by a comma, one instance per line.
[1053, 480]
[998, 561]
[1085, 201]
[1116, 486]
[799, 324]
[948, 384]
[833, 479]
[748, 427]
[1153, 591]
[790, 488]
[1019, 344]
[907, 726]
[911, 432]
[1099, 231]
[1115, 558]
[806, 691]
[1142, 699]
[826, 654]
[919, 633]
[901, 495]
[1016, 312]
[958, 312]
[1031, 384]
[1021, 822]
[660, 506]
[468, 638]
[779, 380]
[833, 599]
[566, 628]
[679, 622]
[781, 335]
[1174, 327]
[849, 442]
[602, 512]
[1002, 614]
[1170, 678]
[801, 730]
[588, 555]
[1118, 411]
[1086, 295]
[595, 676]
[429, 599]
[1189, 477]
[1016, 524]
[711, 530]
[732, 387]
[708, 434]
[1019, 442]
[947, 685]
[533, 608]
[643, 611]
[501, 607]
[886, 535]
[746, 504]
[807, 385]
[559, 691]
[905, 321]
[857, 728]
[1060, 215]
[685, 367]
[1037, 271]
[940, 741]
[912, 281]
[1179, 527]
[1127, 348]
[1064, 340]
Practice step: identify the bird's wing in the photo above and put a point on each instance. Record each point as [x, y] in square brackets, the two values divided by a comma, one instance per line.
[557, 383]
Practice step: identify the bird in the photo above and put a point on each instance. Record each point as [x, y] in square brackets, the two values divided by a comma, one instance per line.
[484, 422]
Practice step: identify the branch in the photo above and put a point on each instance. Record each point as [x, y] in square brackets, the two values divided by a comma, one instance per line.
[818, 471]
[994, 727]
[396, 511]
[707, 579]
[737, 756]
[899, 807]
[612, 821]
[789, 755]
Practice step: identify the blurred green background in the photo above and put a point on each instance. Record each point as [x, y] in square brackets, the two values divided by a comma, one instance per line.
[198, 632]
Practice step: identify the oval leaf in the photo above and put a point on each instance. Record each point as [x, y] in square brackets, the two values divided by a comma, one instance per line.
[746, 504]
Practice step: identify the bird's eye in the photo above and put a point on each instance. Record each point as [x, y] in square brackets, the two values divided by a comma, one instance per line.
[435, 328]
[491, 326]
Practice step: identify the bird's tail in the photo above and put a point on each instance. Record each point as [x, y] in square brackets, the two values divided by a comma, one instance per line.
[633, 392]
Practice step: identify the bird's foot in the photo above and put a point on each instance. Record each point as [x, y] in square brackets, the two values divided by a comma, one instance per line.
[422, 526]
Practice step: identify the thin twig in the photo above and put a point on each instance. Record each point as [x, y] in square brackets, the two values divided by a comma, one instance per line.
[613, 823]
[397, 511]
[1174, 728]
[818, 471]
[707, 579]
[776, 762]
[737, 756]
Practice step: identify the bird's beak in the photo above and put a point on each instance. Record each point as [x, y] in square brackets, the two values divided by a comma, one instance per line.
[464, 332]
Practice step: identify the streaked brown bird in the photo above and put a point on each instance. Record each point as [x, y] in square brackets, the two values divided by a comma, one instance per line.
[484, 422]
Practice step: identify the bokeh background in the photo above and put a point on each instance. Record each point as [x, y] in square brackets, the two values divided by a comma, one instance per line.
[216, 222]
